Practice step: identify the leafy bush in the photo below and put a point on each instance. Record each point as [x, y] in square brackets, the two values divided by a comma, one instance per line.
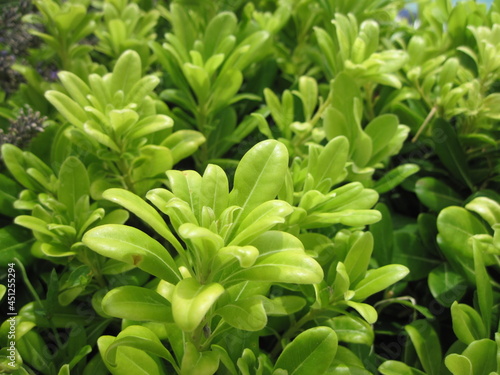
[266, 187]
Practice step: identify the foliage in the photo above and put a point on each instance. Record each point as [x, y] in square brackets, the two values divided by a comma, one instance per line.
[267, 187]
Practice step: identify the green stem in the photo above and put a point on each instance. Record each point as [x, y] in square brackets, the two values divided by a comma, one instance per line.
[426, 122]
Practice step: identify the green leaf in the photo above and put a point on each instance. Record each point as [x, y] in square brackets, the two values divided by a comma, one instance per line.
[366, 311]
[140, 338]
[144, 211]
[284, 305]
[446, 285]
[381, 130]
[8, 194]
[73, 184]
[259, 175]
[398, 368]
[451, 153]
[13, 158]
[359, 255]
[435, 194]
[214, 189]
[485, 207]
[219, 27]
[126, 72]
[31, 346]
[456, 226]
[132, 246]
[395, 177]
[186, 185]
[383, 238]
[484, 289]
[67, 107]
[129, 361]
[16, 242]
[195, 362]
[311, 352]
[137, 303]
[426, 343]
[261, 219]
[183, 143]
[409, 251]
[198, 80]
[467, 323]
[482, 354]
[331, 162]
[76, 87]
[150, 124]
[191, 301]
[352, 329]
[282, 259]
[378, 279]
[458, 364]
[246, 314]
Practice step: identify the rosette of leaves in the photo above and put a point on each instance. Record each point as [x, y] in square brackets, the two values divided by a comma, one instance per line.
[354, 49]
[339, 115]
[371, 146]
[115, 118]
[125, 26]
[65, 25]
[294, 134]
[60, 212]
[205, 60]
[231, 252]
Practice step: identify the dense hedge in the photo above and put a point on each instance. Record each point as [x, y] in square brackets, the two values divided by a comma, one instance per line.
[232, 187]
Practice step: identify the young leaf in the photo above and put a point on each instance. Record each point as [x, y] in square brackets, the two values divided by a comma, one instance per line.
[73, 184]
[191, 302]
[458, 364]
[398, 368]
[140, 338]
[129, 361]
[426, 343]
[127, 72]
[379, 279]
[282, 259]
[259, 175]
[246, 314]
[214, 189]
[352, 329]
[196, 362]
[67, 107]
[144, 211]
[467, 323]
[311, 352]
[395, 177]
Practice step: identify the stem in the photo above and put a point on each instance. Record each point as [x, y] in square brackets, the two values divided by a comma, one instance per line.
[321, 109]
[369, 88]
[425, 123]
[125, 174]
